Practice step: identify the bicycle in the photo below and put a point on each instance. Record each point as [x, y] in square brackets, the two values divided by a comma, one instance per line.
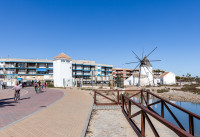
[17, 96]
[40, 89]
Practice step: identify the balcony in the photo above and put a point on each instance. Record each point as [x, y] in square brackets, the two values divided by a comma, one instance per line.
[32, 66]
[79, 74]
[9, 66]
[31, 72]
[78, 69]
[21, 72]
[86, 70]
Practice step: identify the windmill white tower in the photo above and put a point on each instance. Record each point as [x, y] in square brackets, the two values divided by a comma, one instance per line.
[62, 70]
[146, 76]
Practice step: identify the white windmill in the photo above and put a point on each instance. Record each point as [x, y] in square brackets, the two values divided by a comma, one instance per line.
[146, 76]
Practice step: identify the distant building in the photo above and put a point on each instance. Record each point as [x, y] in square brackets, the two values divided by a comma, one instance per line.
[25, 69]
[122, 72]
[158, 72]
[168, 78]
[82, 71]
[132, 80]
[86, 72]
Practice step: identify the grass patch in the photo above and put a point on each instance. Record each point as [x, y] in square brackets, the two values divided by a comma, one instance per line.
[86, 89]
[190, 88]
[162, 90]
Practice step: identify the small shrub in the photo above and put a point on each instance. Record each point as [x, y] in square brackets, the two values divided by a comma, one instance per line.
[120, 95]
[86, 89]
[191, 88]
[162, 90]
[50, 85]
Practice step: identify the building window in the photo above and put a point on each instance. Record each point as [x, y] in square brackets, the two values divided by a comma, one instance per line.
[21, 65]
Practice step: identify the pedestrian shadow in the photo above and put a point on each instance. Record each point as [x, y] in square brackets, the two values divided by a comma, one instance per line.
[25, 98]
[10, 101]
[41, 91]
[7, 102]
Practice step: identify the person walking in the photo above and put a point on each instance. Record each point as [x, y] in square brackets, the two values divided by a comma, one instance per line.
[45, 85]
[36, 87]
[42, 84]
[39, 83]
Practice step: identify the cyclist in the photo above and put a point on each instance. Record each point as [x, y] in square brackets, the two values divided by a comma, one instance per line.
[17, 89]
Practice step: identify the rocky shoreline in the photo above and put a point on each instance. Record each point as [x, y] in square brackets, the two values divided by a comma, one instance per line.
[182, 96]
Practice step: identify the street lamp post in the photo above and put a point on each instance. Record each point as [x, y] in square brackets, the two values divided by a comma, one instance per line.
[92, 79]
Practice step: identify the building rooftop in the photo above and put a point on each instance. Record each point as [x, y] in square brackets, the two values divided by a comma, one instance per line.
[62, 56]
[121, 69]
[86, 62]
[164, 74]
[24, 60]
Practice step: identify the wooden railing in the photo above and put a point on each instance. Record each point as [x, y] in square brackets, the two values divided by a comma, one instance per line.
[116, 101]
[145, 110]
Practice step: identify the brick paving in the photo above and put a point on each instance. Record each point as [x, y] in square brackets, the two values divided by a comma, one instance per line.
[30, 102]
[65, 118]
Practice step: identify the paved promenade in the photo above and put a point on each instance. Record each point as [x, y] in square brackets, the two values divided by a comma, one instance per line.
[64, 118]
[29, 103]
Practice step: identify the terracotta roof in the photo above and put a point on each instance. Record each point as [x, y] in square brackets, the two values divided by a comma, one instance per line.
[63, 56]
[164, 74]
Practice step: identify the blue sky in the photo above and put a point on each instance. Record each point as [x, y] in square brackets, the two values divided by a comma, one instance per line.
[104, 31]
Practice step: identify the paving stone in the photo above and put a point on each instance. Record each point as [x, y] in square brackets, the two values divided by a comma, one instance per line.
[65, 118]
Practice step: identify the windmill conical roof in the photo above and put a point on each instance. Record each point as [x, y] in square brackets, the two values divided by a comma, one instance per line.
[147, 62]
[62, 56]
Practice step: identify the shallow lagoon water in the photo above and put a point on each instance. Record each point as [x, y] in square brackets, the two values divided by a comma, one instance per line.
[181, 116]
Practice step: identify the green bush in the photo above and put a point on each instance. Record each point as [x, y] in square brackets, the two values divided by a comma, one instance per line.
[50, 85]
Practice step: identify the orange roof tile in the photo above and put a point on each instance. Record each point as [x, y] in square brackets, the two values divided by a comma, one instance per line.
[63, 56]
[164, 74]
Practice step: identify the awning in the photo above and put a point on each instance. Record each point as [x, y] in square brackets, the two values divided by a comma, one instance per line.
[41, 69]
[19, 79]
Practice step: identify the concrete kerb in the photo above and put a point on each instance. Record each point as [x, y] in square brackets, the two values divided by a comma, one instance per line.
[88, 120]
[33, 113]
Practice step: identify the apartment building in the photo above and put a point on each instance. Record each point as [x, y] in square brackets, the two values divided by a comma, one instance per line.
[122, 73]
[26, 69]
[83, 71]
[87, 71]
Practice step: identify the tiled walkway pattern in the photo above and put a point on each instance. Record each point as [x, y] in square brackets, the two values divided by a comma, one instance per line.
[11, 111]
[65, 118]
